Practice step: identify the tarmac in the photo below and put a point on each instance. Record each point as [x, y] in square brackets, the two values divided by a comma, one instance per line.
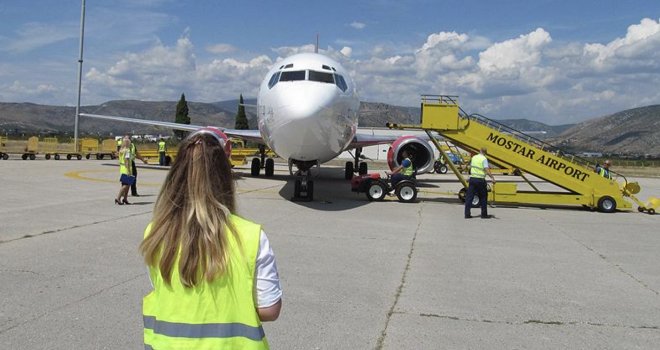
[355, 274]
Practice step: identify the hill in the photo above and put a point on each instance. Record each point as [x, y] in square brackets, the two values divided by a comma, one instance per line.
[631, 132]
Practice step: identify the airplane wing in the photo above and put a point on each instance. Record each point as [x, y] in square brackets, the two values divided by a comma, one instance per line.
[364, 140]
[249, 135]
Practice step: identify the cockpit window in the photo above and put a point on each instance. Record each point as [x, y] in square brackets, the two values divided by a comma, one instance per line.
[341, 83]
[292, 75]
[321, 77]
[273, 80]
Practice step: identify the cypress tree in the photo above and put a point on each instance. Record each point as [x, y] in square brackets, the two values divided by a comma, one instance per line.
[181, 116]
[241, 118]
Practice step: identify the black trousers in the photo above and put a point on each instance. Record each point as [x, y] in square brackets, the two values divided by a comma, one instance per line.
[477, 186]
[134, 185]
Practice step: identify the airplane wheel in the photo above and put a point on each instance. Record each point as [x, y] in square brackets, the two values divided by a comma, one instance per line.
[57, 157]
[376, 191]
[270, 167]
[348, 171]
[310, 190]
[47, 156]
[363, 168]
[32, 157]
[606, 204]
[68, 157]
[406, 191]
[296, 189]
[256, 167]
[79, 157]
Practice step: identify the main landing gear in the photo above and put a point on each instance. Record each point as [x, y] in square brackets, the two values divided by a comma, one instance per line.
[268, 164]
[349, 169]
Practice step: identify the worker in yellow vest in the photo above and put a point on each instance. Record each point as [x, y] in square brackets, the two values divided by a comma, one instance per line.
[404, 171]
[161, 152]
[119, 145]
[213, 273]
[604, 170]
[479, 168]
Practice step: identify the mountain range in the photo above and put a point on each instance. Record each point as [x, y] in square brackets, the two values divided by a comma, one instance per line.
[633, 132]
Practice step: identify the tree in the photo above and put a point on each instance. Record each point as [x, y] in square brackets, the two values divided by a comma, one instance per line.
[241, 118]
[181, 116]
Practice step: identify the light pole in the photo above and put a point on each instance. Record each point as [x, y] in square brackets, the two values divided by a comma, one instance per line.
[80, 63]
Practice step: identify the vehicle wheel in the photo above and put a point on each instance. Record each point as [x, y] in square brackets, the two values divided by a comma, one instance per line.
[376, 191]
[651, 211]
[270, 167]
[57, 157]
[348, 171]
[24, 156]
[47, 156]
[641, 209]
[68, 157]
[462, 193]
[32, 157]
[606, 204]
[475, 202]
[79, 157]
[363, 168]
[87, 156]
[406, 191]
[443, 169]
[256, 167]
[5, 156]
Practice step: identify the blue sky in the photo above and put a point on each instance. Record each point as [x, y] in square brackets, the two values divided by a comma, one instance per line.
[551, 61]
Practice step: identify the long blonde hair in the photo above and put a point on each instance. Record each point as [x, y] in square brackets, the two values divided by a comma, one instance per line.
[191, 214]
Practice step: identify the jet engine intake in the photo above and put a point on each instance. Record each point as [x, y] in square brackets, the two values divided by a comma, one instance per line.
[421, 153]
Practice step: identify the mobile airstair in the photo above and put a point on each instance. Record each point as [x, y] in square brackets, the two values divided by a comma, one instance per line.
[578, 183]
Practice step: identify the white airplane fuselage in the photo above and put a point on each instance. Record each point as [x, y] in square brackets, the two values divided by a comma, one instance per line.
[307, 109]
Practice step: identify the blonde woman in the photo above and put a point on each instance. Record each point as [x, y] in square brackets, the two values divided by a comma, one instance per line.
[213, 273]
[125, 172]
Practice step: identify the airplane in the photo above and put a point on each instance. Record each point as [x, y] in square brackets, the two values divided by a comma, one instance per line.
[307, 112]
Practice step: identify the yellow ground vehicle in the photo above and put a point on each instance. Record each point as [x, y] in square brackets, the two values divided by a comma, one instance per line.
[513, 149]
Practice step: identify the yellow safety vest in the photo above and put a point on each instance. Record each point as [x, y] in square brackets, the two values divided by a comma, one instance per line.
[409, 170]
[477, 166]
[161, 146]
[605, 173]
[133, 152]
[123, 169]
[212, 315]
[119, 143]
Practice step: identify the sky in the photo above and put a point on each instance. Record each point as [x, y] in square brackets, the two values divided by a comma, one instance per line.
[555, 61]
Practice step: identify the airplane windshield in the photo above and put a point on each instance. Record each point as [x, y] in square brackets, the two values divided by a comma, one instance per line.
[321, 77]
[292, 75]
[341, 83]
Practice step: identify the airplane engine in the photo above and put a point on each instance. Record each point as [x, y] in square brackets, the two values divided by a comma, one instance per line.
[420, 151]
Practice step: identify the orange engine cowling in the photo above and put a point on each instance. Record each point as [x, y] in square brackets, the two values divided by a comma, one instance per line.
[420, 152]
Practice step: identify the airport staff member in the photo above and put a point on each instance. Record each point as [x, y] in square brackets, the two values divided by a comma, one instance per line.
[604, 170]
[214, 274]
[161, 152]
[404, 171]
[478, 169]
[135, 154]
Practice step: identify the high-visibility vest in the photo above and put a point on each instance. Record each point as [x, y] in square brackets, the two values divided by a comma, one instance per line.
[133, 152]
[123, 168]
[604, 173]
[212, 315]
[119, 142]
[477, 166]
[409, 170]
[161, 146]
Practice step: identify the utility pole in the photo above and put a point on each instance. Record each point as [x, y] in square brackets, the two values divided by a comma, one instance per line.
[80, 63]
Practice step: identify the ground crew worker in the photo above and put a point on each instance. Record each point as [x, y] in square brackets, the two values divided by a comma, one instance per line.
[135, 154]
[404, 171]
[125, 172]
[604, 170]
[119, 144]
[213, 273]
[477, 185]
[161, 152]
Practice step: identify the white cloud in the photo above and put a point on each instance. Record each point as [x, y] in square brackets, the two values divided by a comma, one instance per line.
[34, 35]
[346, 51]
[358, 25]
[220, 48]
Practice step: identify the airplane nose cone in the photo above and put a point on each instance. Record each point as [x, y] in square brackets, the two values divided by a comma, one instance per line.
[307, 100]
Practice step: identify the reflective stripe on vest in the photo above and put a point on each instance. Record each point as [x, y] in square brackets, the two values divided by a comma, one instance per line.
[477, 166]
[161, 146]
[408, 171]
[220, 314]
